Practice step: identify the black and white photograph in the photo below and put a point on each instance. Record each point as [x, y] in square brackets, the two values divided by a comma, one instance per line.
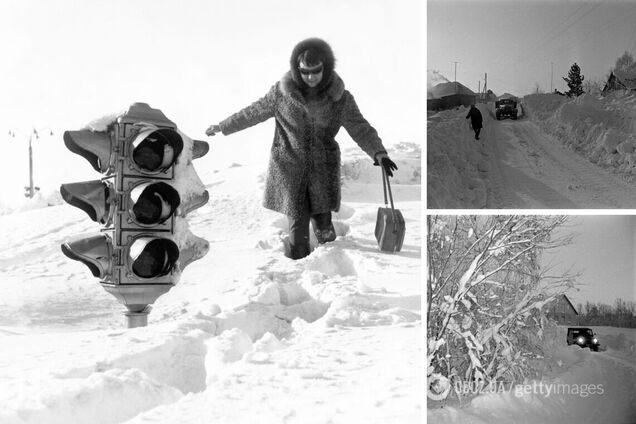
[531, 319]
[531, 104]
[211, 212]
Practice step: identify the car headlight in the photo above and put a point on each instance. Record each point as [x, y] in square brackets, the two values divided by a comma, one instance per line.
[595, 340]
[580, 340]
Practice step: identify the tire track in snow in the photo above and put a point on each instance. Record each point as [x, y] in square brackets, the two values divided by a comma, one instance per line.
[533, 170]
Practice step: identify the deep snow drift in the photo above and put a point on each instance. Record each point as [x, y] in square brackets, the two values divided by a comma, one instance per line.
[601, 128]
[246, 336]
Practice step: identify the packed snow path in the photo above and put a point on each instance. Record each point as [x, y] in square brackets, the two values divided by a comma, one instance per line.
[530, 169]
[516, 164]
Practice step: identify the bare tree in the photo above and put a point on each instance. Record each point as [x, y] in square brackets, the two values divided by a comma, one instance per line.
[625, 63]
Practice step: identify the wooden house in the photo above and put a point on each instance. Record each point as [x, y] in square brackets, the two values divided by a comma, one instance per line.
[562, 311]
[620, 80]
[449, 95]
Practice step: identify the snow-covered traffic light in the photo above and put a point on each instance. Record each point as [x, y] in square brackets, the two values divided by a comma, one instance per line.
[149, 187]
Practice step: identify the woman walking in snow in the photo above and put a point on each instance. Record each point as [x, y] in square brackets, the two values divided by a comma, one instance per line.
[475, 120]
[310, 104]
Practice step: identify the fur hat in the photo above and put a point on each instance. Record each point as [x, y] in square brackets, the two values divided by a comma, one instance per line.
[328, 61]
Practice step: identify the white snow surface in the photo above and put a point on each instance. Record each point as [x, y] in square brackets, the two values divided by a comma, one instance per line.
[562, 153]
[578, 386]
[247, 335]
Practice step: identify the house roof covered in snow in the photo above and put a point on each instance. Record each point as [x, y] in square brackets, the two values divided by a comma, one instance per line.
[448, 89]
[627, 78]
[621, 80]
[564, 300]
[507, 96]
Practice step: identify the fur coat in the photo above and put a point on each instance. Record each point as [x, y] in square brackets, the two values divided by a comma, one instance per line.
[305, 157]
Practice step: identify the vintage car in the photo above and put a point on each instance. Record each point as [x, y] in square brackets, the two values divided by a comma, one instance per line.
[583, 337]
[506, 108]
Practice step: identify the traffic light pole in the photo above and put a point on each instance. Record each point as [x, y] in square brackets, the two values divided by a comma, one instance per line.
[137, 319]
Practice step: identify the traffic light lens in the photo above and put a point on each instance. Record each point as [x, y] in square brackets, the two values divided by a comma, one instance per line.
[153, 257]
[155, 151]
[154, 203]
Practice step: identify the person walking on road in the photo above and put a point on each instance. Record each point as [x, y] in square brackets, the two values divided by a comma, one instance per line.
[475, 120]
[310, 104]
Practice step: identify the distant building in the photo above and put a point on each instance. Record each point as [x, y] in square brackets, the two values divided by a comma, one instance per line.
[620, 80]
[449, 95]
[486, 97]
[508, 96]
[562, 311]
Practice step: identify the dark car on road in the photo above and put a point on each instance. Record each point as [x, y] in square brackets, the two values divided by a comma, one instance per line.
[583, 337]
[506, 107]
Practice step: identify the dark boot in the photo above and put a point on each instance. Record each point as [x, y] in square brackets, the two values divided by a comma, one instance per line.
[323, 227]
[299, 236]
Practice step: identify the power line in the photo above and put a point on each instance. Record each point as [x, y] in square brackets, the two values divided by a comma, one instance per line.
[563, 30]
[541, 43]
[597, 30]
[573, 23]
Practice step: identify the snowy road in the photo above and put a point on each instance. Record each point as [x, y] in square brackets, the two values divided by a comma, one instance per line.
[529, 169]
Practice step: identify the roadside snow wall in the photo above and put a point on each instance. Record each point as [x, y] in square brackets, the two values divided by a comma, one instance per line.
[601, 129]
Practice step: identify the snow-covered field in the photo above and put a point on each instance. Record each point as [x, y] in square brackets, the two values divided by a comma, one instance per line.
[577, 386]
[565, 153]
[246, 336]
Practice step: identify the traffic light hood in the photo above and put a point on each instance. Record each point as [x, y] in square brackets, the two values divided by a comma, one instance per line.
[93, 197]
[96, 147]
[94, 251]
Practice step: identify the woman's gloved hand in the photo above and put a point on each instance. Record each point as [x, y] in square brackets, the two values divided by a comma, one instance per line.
[384, 160]
[212, 129]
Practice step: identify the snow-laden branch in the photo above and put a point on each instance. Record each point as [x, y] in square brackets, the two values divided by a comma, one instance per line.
[492, 290]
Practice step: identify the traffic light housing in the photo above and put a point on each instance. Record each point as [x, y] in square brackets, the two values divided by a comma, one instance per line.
[148, 188]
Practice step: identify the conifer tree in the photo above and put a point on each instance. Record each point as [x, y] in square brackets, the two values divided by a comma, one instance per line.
[575, 81]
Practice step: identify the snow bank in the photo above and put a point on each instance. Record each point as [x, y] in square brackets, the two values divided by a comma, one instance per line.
[600, 128]
[94, 399]
[39, 200]
[455, 161]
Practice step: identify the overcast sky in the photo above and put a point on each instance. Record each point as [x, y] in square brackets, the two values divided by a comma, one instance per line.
[67, 62]
[516, 41]
[604, 251]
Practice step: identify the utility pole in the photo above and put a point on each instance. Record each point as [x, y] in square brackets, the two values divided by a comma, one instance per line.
[551, 74]
[455, 76]
[485, 83]
[30, 189]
